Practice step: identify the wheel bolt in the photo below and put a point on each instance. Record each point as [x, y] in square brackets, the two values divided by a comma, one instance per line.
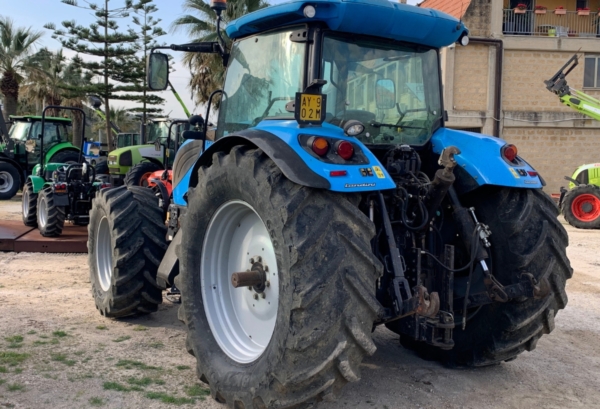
[259, 258]
[268, 283]
[266, 268]
[263, 295]
[251, 261]
[255, 296]
[250, 288]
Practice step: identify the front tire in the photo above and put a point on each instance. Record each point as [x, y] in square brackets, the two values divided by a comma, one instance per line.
[29, 205]
[581, 207]
[318, 245]
[526, 238]
[50, 218]
[139, 174]
[126, 242]
[10, 181]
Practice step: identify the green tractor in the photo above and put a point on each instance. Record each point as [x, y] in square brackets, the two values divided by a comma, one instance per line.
[56, 192]
[581, 203]
[133, 164]
[21, 148]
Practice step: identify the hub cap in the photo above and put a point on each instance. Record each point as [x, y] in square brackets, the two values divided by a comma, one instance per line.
[586, 207]
[6, 182]
[104, 254]
[42, 212]
[242, 319]
[25, 202]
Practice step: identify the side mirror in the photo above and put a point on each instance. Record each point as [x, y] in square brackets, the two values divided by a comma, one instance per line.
[158, 71]
[30, 146]
[196, 135]
[385, 94]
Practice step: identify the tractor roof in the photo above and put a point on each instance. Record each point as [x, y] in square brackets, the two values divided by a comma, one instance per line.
[380, 18]
[33, 118]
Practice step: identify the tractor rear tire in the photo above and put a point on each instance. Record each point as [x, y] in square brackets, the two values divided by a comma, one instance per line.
[29, 205]
[68, 156]
[581, 207]
[10, 180]
[138, 175]
[322, 284]
[126, 242]
[527, 237]
[50, 218]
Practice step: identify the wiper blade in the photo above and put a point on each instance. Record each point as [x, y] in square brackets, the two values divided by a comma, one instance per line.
[382, 125]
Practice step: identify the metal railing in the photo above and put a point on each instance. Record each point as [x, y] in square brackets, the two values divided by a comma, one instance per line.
[550, 24]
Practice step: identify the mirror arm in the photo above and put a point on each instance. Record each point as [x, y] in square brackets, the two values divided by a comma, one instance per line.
[222, 43]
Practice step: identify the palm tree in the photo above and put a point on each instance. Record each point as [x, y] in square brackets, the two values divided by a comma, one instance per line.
[16, 46]
[45, 77]
[207, 69]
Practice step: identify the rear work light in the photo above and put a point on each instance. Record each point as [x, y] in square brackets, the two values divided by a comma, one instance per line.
[320, 146]
[345, 150]
[509, 152]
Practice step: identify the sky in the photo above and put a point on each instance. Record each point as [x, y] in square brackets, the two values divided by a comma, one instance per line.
[36, 13]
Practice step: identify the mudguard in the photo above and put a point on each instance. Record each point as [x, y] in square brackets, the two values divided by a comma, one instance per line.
[37, 183]
[481, 159]
[279, 139]
[60, 147]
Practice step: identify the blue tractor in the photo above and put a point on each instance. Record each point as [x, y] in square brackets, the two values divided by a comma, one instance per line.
[333, 200]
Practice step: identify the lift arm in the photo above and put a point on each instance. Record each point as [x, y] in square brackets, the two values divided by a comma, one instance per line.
[571, 97]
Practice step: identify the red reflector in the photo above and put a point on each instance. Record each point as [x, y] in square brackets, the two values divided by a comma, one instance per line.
[509, 152]
[345, 150]
[532, 173]
[338, 173]
[320, 146]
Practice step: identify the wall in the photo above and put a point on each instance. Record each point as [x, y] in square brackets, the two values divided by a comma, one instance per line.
[556, 152]
[471, 74]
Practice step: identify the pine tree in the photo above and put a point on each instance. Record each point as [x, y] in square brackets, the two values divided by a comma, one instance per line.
[148, 31]
[113, 52]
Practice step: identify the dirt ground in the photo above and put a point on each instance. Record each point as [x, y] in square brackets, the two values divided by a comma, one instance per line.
[56, 351]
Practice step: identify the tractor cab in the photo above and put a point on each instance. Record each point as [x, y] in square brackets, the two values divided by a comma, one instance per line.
[391, 87]
[25, 133]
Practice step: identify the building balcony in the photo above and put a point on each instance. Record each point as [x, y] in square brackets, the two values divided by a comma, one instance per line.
[569, 24]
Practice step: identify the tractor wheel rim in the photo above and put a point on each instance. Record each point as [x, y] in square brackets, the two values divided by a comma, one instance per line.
[586, 207]
[25, 201]
[104, 254]
[144, 180]
[6, 182]
[241, 320]
[42, 212]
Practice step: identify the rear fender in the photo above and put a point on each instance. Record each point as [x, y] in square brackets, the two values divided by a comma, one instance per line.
[153, 160]
[64, 146]
[36, 182]
[481, 163]
[280, 141]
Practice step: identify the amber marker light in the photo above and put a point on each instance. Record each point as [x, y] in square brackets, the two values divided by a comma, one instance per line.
[320, 146]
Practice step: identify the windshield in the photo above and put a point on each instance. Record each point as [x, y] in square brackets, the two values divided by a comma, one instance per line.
[128, 139]
[264, 74]
[157, 130]
[393, 90]
[19, 131]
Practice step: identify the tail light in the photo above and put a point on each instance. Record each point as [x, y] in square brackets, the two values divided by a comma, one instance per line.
[509, 152]
[345, 150]
[60, 186]
[338, 173]
[320, 146]
[104, 185]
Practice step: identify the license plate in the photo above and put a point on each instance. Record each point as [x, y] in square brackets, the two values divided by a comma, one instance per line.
[309, 108]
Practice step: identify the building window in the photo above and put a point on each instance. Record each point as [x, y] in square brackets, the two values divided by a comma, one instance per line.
[591, 72]
[580, 4]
